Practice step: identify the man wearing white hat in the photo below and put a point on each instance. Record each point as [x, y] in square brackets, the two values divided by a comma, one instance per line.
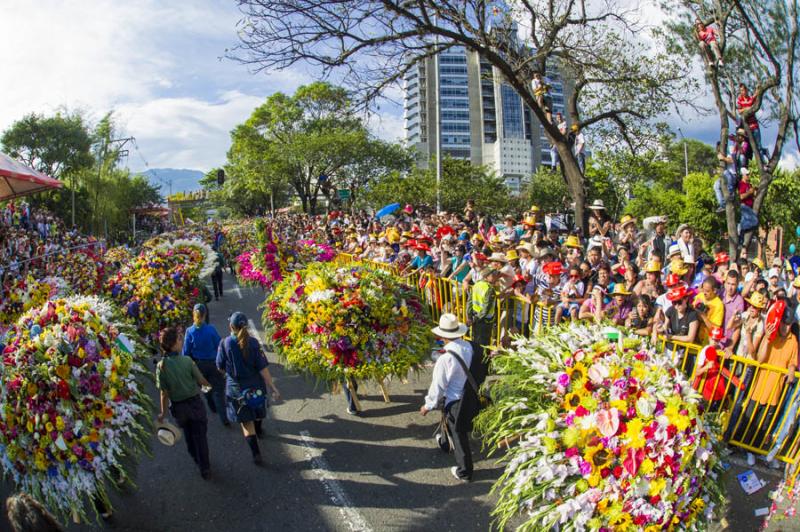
[447, 387]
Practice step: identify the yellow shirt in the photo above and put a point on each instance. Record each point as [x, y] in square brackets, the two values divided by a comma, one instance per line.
[715, 314]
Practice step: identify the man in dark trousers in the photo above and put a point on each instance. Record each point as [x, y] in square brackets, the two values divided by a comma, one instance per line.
[482, 306]
[216, 277]
[449, 386]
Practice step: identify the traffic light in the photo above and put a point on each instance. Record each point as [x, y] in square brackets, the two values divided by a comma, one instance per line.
[220, 177]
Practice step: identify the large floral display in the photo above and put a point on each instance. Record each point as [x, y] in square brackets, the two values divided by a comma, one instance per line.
[599, 435]
[25, 294]
[71, 405]
[83, 269]
[347, 322]
[238, 237]
[160, 287]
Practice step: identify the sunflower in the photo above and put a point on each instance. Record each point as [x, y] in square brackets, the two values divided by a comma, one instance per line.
[599, 457]
[577, 372]
[571, 401]
[622, 522]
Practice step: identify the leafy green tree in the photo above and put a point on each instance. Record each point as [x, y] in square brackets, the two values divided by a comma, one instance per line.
[622, 82]
[700, 208]
[548, 191]
[759, 43]
[314, 140]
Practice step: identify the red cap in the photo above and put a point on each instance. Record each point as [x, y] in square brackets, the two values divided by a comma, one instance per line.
[672, 280]
[479, 255]
[519, 279]
[717, 334]
[411, 243]
[721, 258]
[423, 246]
[677, 293]
[408, 209]
[553, 268]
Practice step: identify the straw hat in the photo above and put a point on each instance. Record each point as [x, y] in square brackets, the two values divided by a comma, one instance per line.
[498, 257]
[678, 267]
[546, 252]
[511, 254]
[597, 205]
[525, 246]
[758, 263]
[627, 219]
[450, 327]
[619, 290]
[674, 249]
[759, 300]
[530, 220]
[573, 242]
[652, 266]
[167, 433]
[534, 208]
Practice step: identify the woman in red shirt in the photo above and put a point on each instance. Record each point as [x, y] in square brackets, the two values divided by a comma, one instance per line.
[744, 104]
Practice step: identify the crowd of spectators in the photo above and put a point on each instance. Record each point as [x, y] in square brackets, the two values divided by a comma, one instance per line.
[667, 285]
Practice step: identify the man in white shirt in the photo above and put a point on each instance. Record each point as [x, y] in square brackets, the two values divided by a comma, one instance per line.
[447, 383]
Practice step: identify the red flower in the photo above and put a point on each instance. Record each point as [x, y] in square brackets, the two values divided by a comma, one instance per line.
[655, 499]
[62, 389]
[605, 472]
[617, 472]
[581, 412]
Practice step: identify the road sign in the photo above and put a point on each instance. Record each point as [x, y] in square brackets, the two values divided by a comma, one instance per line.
[343, 194]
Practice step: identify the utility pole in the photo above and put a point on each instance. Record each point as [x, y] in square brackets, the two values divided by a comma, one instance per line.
[436, 93]
[685, 154]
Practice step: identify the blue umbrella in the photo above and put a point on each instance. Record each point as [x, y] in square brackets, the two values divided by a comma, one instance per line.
[389, 209]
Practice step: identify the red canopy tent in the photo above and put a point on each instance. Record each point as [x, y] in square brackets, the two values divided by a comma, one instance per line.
[17, 180]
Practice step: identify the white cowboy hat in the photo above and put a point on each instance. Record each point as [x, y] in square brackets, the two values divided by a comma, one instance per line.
[498, 257]
[674, 249]
[167, 433]
[598, 205]
[449, 327]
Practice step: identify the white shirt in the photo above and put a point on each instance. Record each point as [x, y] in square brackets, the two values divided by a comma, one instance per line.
[448, 378]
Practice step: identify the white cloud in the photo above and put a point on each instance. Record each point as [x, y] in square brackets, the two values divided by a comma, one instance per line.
[790, 160]
[155, 63]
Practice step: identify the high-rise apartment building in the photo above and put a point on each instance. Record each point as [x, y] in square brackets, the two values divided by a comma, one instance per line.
[482, 118]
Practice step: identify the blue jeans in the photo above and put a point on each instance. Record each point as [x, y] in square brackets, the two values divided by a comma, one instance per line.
[351, 405]
[731, 180]
[555, 159]
[581, 161]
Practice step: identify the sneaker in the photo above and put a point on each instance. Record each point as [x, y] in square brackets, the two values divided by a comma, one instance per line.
[353, 412]
[774, 464]
[751, 459]
[720, 210]
[454, 471]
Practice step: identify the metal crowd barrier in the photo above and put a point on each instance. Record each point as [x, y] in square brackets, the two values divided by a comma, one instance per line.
[748, 420]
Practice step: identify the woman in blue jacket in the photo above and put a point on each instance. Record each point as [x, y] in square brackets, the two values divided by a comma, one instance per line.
[200, 344]
[246, 380]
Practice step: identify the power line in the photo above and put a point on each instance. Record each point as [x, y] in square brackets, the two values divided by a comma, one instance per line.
[153, 171]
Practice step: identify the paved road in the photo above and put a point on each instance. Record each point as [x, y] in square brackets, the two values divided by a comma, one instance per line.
[327, 470]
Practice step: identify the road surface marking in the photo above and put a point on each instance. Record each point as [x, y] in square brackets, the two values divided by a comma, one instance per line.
[352, 518]
[238, 292]
[254, 330]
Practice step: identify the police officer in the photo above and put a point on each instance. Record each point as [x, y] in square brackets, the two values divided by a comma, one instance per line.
[482, 305]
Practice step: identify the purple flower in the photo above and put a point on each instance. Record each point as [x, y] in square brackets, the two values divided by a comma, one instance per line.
[563, 379]
[586, 468]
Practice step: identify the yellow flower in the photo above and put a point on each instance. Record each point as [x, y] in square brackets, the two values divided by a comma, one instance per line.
[60, 423]
[634, 434]
[647, 467]
[599, 457]
[571, 401]
[577, 372]
[622, 522]
[657, 485]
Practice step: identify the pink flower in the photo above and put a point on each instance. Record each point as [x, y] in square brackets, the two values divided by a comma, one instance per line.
[608, 422]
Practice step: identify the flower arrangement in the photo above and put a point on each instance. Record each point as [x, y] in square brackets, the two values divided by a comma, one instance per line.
[238, 238]
[160, 287]
[71, 404]
[600, 436]
[119, 254]
[347, 322]
[86, 270]
[262, 269]
[308, 251]
[25, 294]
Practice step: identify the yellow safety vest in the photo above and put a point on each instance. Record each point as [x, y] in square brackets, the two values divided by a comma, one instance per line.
[479, 292]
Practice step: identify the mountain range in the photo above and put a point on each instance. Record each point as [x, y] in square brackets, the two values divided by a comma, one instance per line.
[183, 180]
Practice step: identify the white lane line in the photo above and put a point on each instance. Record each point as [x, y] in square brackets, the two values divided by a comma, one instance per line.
[352, 518]
[238, 292]
[254, 331]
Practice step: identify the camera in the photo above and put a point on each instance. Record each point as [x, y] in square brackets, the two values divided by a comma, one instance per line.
[701, 307]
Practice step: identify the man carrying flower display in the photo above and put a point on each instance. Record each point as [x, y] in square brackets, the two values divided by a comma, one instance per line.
[449, 379]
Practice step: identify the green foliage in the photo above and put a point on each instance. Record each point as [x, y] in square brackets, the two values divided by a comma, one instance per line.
[655, 200]
[700, 209]
[461, 181]
[781, 207]
[548, 191]
[65, 146]
[296, 139]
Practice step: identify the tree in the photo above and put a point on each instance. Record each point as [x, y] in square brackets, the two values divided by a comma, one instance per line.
[620, 82]
[57, 145]
[548, 191]
[759, 42]
[461, 181]
[313, 140]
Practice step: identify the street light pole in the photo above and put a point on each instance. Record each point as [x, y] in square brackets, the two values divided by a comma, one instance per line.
[685, 154]
[438, 123]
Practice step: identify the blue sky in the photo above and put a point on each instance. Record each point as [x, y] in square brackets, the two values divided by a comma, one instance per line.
[157, 65]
